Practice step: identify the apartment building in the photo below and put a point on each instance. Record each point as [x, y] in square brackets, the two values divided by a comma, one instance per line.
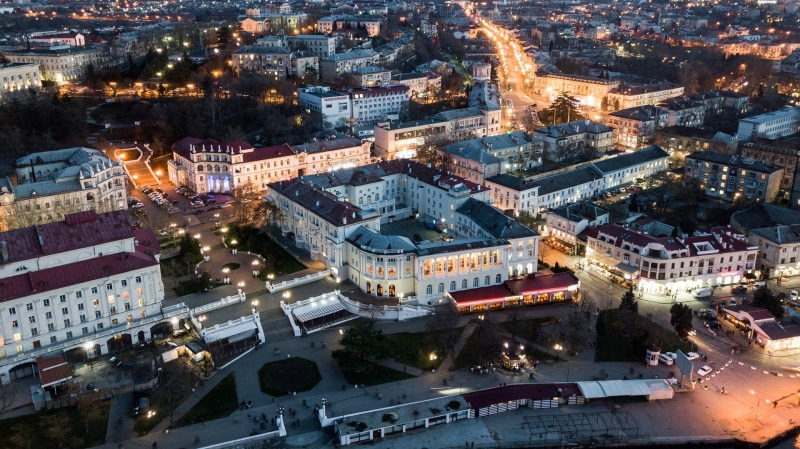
[18, 77]
[588, 90]
[564, 224]
[303, 63]
[262, 60]
[729, 177]
[684, 140]
[668, 264]
[779, 250]
[417, 82]
[771, 125]
[337, 64]
[401, 140]
[567, 139]
[373, 104]
[780, 153]
[624, 169]
[513, 194]
[683, 111]
[49, 185]
[644, 95]
[479, 159]
[334, 107]
[372, 76]
[72, 39]
[636, 127]
[320, 45]
[211, 166]
[60, 62]
[86, 285]
[372, 24]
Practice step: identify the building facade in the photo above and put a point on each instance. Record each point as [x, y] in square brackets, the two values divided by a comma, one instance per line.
[730, 177]
[61, 63]
[770, 125]
[90, 283]
[18, 77]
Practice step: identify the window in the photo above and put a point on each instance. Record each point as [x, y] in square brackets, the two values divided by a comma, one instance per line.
[53, 339]
[464, 284]
[109, 286]
[452, 286]
[486, 280]
[62, 298]
[99, 325]
[48, 316]
[64, 310]
[84, 330]
[498, 279]
[15, 324]
[34, 331]
[51, 327]
[94, 290]
[475, 283]
[111, 299]
[83, 318]
[80, 306]
[12, 310]
[79, 294]
[66, 323]
[113, 310]
[31, 319]
[29, 306]
[428, 290]
[96, 302]
[138, 279]
[440, 289]
[98, 314]
[124, 283]
[46, 302]
[139, 291]
[69, 334]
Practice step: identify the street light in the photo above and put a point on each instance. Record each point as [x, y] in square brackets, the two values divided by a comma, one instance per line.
[557, 347]
[432, 358]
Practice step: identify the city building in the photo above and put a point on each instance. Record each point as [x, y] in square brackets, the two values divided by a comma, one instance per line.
[49, 185]
[682, 111]
[18, 77]
[636, 127]
[373, 104]
[334, 107]
[487, 157]
[770, 125]
[61, 63]
[467, 123]
[532, 290]
[624, 169]
[588, 90]
[211, 166]
[761, 327]
[372, 76]
[416, 82]
[564, 224]
[780, 153]
[663, 264]
[72, 39]
[684, 140]
[262, 60]
[401, 140]
[729, 177]
[565, 140]
[513, 194]
[644, 95]
[337, 64]
[779, 250]
[319, 45]
[371, 24]
[86, 285]
[568, 187]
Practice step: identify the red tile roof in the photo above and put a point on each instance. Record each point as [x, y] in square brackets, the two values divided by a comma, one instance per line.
[260, 154]
[35, 282]
[53, 370]
[482, 294]
[498, 395]
[80, 230]
[539, 283]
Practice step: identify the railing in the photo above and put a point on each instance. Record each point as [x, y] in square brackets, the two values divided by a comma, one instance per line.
[295, 282]
[233, 299]
[253, 440]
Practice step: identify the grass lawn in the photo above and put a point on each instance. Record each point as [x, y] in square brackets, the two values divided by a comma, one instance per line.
[622, 344]
[177, 381]
[415, 349]
[220, 402]
[375, 375]
[33, 429]
[279, 260]
[190, 288]
[472, 354]
[293, 374]
[526, 329]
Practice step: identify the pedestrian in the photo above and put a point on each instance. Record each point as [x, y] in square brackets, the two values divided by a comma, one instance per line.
[473, 444]
[775, 404]
[466, 444]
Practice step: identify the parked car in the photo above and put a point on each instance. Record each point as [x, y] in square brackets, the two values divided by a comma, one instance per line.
[666, 360]
[702, 293]
[705, 370]
[738, 289]
[712, 324]
[732, 302]
[115, 361]
[692, 356]
[671, 355]
[793, 295]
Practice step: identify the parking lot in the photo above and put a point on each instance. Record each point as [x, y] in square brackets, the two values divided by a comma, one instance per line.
[409, 228]
[180, 209]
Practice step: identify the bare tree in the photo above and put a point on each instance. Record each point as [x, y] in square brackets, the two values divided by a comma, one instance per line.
[7, 395]
[57, 427]
[488, 335]
[248, 204]
[445, 321]
[516, 317]
[177, 380]
[23, 435]
[575, 332]
[585, 302]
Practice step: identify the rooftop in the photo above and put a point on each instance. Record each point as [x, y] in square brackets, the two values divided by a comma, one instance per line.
[494, 222]
[649, 154]
[769, 116]
[763, 215]
[582, 210]
[568, 179]
[735, 161]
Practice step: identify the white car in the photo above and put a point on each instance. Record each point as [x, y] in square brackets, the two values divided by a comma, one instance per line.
[692, 356]
[671, 355]
[666, 360]
[793, 295]
[705, 370]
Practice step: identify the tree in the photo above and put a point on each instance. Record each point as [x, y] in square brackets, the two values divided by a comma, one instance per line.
[515, 318]
[7, 395]
[177, 380]
[57, 427]
[575, 332]
[629, 302]
[224, 35]
[681, 319]
[764, 298]
[634, 204]
[604, 104]
[488, 335]
[564, 109]
[24, 435]
[585, 302]
[190, 253]
[248, 204]
[360, 342]
[445, 322]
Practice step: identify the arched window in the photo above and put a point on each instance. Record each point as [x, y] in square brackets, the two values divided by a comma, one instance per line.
[441, 288]
[474, 282]
[89, 196]
[208, 167]
[486, 280]
[199, 168]
[216, 168]
[429, 290]
[464, 284]
[498, 279]
[452, 286]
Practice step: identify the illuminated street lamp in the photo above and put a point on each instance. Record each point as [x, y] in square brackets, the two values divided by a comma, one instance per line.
[557, 347]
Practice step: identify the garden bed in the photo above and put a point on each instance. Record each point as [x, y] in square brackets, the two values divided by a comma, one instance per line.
[32, 430]
[374, 375]
[415, 349]
[292, 374]
[627, 334]
[220, 402]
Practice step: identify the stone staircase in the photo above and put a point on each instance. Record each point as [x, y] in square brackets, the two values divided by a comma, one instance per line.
[276, 325]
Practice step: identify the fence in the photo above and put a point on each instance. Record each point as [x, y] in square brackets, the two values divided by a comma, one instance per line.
[233, 299]
[295, 282]
[249, 442]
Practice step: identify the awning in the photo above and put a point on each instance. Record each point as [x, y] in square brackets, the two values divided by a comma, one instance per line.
[319, 312]
[627, 268]
[603, 259]
[750, 276]
[562, 242]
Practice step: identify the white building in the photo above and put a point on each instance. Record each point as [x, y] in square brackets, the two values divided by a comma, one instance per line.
[52, 184]
[60, 62]
[320, 45]
[211, 166]
[90, 283]
[770, 125]
[334, 107]
[72, 39]
[566, 139]
[669, 264]
[337, 64]
[18, 77]
[373, 104]
[563, 224]
[372, 24]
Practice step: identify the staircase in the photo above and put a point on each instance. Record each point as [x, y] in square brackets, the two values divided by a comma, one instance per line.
[276, 325]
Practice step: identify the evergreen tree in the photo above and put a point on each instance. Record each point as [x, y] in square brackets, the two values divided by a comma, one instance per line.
[629, 302]
[634, 205]
[565, 109]
[604, 104]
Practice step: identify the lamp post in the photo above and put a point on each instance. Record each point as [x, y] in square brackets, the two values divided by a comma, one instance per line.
[432, 358]
[557, 347]
[338, 280]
